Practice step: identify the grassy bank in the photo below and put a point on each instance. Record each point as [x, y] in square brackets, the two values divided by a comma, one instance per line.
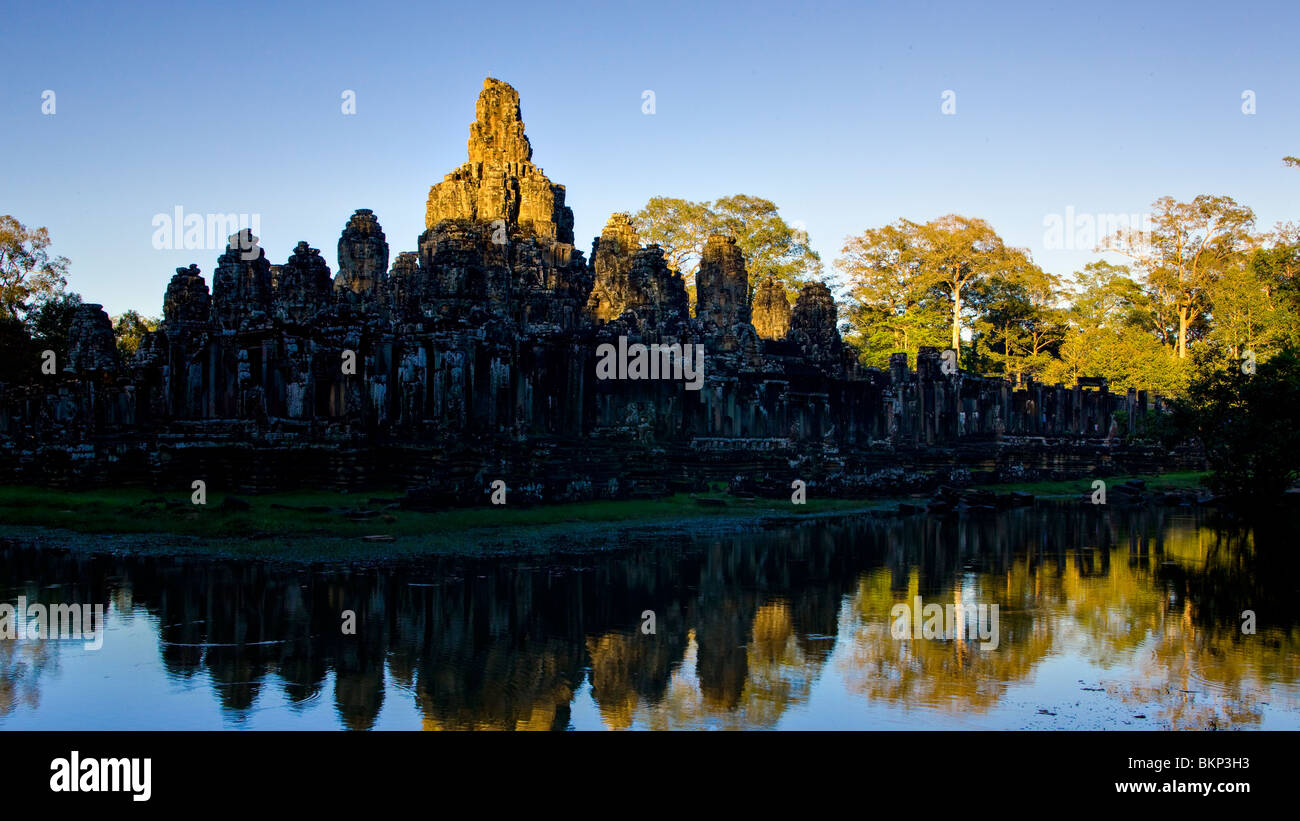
[305, 514]
[1165, 482]
[322, 525]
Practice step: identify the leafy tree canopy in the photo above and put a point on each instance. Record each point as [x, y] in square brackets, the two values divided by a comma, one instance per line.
[772, 247]
[29, 276]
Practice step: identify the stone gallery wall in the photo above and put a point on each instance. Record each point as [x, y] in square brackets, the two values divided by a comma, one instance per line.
[474, 358]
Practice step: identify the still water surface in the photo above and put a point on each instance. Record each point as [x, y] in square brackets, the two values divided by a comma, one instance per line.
[1107, 620]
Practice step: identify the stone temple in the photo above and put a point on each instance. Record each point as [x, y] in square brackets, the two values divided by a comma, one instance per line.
[472, 359]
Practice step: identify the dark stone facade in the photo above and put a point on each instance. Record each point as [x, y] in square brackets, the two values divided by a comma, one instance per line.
[474, 358]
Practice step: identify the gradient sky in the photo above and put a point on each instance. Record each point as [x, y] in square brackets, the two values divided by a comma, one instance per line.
[830, 110]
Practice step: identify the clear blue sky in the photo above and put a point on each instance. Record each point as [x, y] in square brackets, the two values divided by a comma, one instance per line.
[830, 110]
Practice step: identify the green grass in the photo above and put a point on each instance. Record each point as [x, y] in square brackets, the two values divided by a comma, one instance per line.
[124, 511]
[122, 520]
[1077, 487]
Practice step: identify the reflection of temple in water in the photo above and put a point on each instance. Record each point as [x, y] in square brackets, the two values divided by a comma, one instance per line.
[744, 625]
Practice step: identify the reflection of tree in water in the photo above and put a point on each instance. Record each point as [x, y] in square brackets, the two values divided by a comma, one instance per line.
[752, 637]
[955, 674]
[629, 668]
[22, 663]
[744, 625]
[780, 670]
[63, 578]
[1114, 587]
[979, 560]
[1222, 572]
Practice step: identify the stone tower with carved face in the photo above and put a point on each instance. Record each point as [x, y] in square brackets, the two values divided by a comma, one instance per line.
[500, 181]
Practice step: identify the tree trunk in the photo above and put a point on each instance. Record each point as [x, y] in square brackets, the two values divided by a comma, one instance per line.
[956, 322]
[1182, 332]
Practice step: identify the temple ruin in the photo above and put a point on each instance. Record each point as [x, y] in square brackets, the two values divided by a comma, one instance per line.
[473, 359]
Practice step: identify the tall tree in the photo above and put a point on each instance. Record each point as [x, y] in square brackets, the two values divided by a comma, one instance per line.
[1276, 264]
[1111, 334]
[959, 253]
[772, 247]
[29, 276]
[1190, 245]
[889, 308]
[1126, 356]
[51, 322]
[942, 261]
[1249, 425]
[679, 227]
[1106, 296]
[129, 330]
[1247, 317]
[1019, 323]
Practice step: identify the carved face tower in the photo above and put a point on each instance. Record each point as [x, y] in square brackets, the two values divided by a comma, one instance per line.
[500, 181]
[771, 310]
[722, 285]
[363, 253]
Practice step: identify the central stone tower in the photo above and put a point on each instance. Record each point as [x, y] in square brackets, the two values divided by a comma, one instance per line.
[500, 181]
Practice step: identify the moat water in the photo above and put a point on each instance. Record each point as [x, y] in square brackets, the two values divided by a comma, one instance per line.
[1106, 619]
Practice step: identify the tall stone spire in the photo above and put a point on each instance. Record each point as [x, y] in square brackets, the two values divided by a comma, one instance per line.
[813, 325]
[241, 283]
[304, 285]
[612, 261]
[187, 301]
[629, 277]
[363, 253]
[771, 310]
[497, 133]
[722, 285]
[500, 181]
[91, 346]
